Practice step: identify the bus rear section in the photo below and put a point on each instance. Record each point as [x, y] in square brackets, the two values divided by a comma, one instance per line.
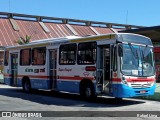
[26, 67]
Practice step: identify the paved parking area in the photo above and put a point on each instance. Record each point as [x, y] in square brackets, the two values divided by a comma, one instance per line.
[156, 96]
[14, 99]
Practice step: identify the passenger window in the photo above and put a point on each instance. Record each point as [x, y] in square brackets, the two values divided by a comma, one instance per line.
[39, 56]
[67, 54]
[25, 56]
[86, 53]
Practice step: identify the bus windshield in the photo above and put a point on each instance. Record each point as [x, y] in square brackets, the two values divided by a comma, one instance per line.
[136, 60]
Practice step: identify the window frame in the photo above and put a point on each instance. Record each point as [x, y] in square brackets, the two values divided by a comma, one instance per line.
[92, 53]
[75, 54]
[32, 55]
[29, 56]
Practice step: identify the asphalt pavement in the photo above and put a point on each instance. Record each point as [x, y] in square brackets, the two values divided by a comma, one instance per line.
[155, 97]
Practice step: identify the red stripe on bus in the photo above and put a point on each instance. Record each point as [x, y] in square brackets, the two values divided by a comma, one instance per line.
[30, 76]
[116, 79]
[7, 75]
[80, 78]
[58, 77]
[74, 78]
[140, 79]
[33, 76]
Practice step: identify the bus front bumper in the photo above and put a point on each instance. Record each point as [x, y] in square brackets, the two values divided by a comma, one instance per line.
[124, 91]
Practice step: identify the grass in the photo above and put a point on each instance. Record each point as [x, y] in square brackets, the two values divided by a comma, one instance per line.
[155, 97]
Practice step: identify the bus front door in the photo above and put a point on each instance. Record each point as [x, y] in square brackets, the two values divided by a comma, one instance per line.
[103, 69]
[14, 69]
[53, 69]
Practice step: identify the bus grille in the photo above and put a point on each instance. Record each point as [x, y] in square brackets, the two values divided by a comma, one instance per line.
[133, 85]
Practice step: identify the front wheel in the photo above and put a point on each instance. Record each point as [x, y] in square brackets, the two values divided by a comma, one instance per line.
[87, 92]
[27, 86]
[118, 100]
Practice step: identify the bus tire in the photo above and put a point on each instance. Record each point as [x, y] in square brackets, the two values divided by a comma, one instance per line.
[27, 86]
[117, 100]
[87, 91]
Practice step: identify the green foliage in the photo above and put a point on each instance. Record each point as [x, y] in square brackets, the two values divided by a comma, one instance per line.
[156, 43]
[22, 41]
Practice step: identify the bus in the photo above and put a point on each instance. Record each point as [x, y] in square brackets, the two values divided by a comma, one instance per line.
[157, 62]
[120, 65]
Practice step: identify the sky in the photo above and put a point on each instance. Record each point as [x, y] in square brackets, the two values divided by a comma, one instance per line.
[135, 12]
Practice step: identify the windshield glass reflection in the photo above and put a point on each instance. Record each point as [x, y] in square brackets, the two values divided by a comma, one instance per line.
[136, 60]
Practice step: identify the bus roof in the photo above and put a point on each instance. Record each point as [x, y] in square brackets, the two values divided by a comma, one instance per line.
[68, 39]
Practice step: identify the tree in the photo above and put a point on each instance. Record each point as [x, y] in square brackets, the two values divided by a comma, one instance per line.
[22, 41]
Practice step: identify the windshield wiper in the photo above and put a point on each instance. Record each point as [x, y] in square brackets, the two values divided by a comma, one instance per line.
[145, 52]
[133, 52]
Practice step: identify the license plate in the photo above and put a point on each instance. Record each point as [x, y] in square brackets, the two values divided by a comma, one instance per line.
[142, 91]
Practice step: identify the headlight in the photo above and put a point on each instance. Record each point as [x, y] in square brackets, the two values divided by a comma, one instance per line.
[124, 81]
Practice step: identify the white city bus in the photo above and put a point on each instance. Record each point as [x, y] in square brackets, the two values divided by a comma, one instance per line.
[119, 65]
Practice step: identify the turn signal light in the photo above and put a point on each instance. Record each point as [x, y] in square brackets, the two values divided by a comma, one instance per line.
[90, 68]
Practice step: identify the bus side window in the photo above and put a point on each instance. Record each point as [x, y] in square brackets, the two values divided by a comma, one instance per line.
[67, 54]
[25, 55]
[39, 56]
[86, 53]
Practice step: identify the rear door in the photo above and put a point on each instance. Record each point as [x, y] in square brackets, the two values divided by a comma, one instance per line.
[53, 68]
[14, 69]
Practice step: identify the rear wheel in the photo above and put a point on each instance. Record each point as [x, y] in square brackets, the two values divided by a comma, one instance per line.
[27, 86]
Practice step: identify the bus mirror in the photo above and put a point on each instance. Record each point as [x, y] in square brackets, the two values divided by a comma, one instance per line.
[120, 51]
